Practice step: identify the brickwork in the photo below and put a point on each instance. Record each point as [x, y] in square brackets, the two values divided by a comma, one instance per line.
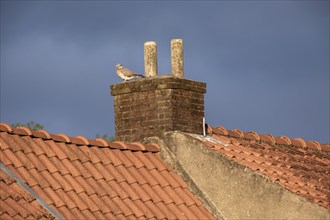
[150, 106]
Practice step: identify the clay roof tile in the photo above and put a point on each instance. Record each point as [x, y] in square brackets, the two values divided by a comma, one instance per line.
[313, 145]
[252, 135]
[239, 133]
[325, 147]
[286, 139]
[139, 145]
[120, 145]
[152, 148]
[303, 143]
[102, 142]
[219, 130]
[25, 129]
[6, 128]
[43, 134]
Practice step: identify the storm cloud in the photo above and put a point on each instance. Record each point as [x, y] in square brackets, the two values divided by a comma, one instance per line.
[266, 63]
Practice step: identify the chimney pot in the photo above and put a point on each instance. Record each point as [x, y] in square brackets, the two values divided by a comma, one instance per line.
[177, 58]
[150, 59]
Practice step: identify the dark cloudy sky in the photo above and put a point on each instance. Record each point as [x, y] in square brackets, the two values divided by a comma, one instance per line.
[266, 63]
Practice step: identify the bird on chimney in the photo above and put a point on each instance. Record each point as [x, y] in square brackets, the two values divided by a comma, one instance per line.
[125, 73]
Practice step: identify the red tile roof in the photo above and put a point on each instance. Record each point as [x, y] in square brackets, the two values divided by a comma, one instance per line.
[301, 167]
[93, 179]
[17, 203]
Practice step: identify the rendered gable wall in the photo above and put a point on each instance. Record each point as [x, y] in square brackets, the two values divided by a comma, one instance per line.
[235, 190]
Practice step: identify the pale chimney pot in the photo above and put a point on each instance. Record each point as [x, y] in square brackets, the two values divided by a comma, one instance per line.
[177, 58]
[150, 59]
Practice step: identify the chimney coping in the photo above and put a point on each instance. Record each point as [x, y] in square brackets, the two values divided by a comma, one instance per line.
[158, 83]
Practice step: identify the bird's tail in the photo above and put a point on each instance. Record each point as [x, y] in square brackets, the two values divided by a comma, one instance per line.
[139, 75]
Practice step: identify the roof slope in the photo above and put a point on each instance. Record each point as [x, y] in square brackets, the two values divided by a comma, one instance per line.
[301, 167]
[17, 203]
[94, 179]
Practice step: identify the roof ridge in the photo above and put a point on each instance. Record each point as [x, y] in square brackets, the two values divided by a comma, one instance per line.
[280, 140]
[78, 140]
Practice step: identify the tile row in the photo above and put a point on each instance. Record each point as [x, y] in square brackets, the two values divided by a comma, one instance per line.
[27, 150]
[79, 140]
[282, 140]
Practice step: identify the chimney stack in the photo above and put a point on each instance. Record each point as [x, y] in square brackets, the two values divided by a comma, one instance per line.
[157, 104]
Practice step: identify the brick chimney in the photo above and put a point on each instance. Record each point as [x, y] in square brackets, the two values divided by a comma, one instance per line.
[155, 104]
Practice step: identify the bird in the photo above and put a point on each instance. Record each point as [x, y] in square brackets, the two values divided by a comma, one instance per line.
[125, 73]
